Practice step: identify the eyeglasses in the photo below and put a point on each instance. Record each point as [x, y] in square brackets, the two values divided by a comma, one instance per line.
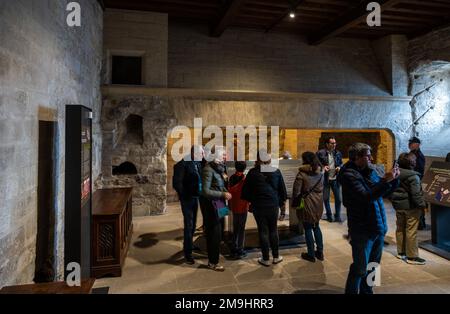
[332, 143]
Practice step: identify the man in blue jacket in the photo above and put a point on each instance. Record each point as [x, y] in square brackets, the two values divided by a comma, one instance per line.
[188, 184]
[363, 192]
[331, 160]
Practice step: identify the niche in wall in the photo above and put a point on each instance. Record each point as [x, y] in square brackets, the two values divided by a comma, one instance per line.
[125, 168]
[135, 131]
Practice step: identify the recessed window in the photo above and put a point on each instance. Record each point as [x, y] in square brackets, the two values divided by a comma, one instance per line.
[126, 70]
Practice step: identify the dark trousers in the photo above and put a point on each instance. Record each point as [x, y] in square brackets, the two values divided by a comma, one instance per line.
[336, 188]
[311, 229]
[239, 221]
[189, 208]
[213, 230]
[266, 220]
[365, 250]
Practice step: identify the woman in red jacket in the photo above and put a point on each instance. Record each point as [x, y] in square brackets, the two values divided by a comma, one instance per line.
[239, 207]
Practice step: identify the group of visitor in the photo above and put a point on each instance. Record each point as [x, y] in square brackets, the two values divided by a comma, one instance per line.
[263, 192]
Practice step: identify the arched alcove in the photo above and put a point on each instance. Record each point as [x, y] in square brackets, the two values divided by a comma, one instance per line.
[125, 168]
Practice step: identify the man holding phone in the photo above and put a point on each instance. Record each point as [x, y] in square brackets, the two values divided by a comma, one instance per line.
[363, 191]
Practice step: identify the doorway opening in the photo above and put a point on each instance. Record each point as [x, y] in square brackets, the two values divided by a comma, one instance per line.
[45, 241]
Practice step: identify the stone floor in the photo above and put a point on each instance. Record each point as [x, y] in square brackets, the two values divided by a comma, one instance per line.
[155, 265]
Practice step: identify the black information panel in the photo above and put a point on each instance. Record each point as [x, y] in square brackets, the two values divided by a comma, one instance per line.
[436, 183]
[78, 189]
[436, 187]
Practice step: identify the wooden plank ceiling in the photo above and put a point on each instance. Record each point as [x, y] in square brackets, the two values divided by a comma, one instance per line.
[319, 20]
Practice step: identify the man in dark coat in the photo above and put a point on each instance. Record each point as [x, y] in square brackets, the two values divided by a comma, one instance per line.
[331, 160]
[363, 192]
[414, 147]
[188, 184]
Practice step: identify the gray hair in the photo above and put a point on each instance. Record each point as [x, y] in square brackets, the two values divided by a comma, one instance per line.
[358, 150]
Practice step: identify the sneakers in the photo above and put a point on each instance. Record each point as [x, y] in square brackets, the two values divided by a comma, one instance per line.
[282, 216]
[401, 256]
[337, 219]
[319, 255]
[239, 255]
[263, 262]
[308, 257]
[328, 218]
[415, 261]
[189, 261]
[278, 259]
[216, 267]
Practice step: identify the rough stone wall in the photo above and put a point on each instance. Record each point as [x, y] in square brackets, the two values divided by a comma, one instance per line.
[251, 60]
[339, 113]
[429, 68]
[134, 33]
[44, 65]
[149, 184]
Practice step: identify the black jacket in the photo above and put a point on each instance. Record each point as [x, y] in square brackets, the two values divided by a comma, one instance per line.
[362, 192]
[323, 158]
[420, 162]
[187, 178]
[264, 190]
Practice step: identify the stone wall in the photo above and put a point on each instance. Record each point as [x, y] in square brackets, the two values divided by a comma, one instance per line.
[149, 157]
[134, 33]
[302, 111]
[251, 60]
[429, 68]
[44, 65]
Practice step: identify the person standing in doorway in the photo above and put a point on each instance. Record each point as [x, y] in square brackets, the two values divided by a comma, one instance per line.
[188, 184]
[363, 191]
[331, 160]
[414, 147]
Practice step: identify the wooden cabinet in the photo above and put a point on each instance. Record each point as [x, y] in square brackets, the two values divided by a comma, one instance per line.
[111, 230]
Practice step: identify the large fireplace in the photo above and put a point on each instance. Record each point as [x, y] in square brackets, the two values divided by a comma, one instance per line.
[134, 150]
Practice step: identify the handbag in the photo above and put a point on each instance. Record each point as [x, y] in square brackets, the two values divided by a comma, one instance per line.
[221, 208]
[301, 202]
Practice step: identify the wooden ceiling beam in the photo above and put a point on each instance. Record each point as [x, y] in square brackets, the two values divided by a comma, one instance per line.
[227, 17]
[347, 21]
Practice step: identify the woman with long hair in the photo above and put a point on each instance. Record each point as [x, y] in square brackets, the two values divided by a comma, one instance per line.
[308, 190]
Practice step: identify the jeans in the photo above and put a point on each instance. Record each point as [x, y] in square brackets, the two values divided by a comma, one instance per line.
[309, 230]
[239, 221]
[189, 208]
[266, 220]
[365, 249]
[336, 188]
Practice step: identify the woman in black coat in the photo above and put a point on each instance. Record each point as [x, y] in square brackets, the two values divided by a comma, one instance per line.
[264, 188]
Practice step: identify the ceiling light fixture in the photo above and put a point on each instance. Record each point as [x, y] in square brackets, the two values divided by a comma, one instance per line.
[292, 14]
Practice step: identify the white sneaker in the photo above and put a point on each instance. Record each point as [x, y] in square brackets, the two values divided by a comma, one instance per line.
[263, 262]
[278, 259]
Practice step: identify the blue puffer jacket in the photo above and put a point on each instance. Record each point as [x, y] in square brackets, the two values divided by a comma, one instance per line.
[363, 192]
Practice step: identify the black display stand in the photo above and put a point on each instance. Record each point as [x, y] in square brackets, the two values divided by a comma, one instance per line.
[78, 189]
[436, 186]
